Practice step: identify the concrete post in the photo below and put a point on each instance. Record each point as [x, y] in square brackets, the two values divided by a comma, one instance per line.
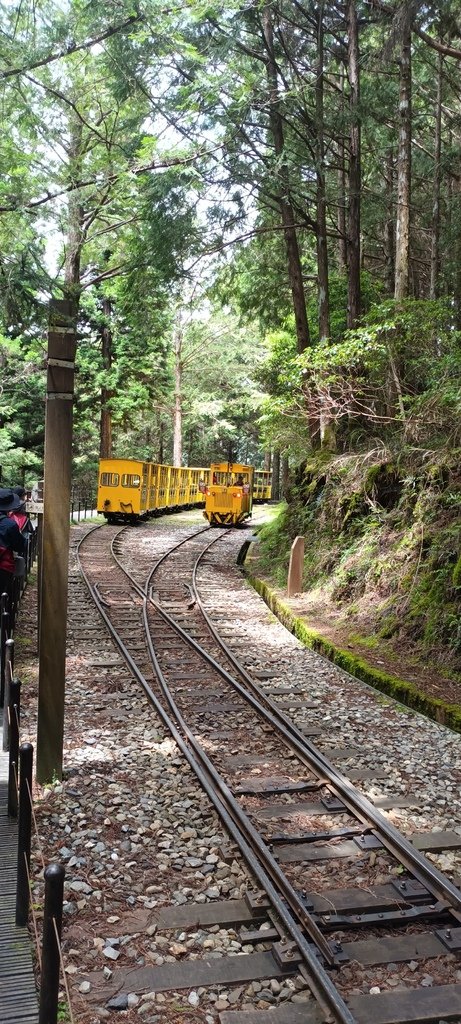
[295, 571]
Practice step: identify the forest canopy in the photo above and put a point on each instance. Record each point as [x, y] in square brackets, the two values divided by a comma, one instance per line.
[256, 209]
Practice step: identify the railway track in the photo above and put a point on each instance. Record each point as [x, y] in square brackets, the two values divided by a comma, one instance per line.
[317, 918]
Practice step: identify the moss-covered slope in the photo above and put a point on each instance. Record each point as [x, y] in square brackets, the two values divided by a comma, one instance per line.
[382, 553]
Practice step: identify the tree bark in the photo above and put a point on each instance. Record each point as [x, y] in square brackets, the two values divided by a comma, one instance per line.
[275, 489]
[285, 474]
[327, 427]
[286, 209]
[177, 408]
[75, 235]
[435, 232]
[105, 433]
[342, 229]
[389, 233]
[402, 232]
[161, 441]
[353, 305]
[322, 251]
[456, 219]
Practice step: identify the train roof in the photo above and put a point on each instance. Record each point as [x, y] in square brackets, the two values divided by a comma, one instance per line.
[231, 467]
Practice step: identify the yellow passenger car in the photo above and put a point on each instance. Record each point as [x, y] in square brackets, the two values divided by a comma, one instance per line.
[129, 489]
[262, 485]
[123, 489]
[229, 493]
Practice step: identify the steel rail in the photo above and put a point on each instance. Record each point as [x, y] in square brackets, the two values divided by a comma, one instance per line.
[204, 529]
[290, 894]
[261, 862]
[392, 839]
[319, 982]
[400, 847]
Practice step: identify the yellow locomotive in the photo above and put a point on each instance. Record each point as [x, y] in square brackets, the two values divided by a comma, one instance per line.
[130, 489]
[229, 493]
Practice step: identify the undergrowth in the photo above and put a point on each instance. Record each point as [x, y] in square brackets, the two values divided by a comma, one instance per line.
[382, 536]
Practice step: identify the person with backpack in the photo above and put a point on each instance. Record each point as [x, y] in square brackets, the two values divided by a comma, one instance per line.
[11, 539]
[20, 515]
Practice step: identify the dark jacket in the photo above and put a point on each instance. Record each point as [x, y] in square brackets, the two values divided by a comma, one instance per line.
[11, 539]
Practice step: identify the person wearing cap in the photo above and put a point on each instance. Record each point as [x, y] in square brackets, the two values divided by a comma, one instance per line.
[11, 539]
[20, 515]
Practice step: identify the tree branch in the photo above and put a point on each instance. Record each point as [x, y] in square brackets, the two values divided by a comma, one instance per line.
[71, 48]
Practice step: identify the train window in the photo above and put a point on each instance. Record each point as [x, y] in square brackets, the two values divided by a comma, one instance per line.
[131, 480]
[109, 479]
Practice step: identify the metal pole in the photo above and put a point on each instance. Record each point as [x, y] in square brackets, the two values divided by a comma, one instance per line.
[52, 925]
[39, 555]
[4, 634]
[26, 754]
[14, 601]
[15, 714]
[56, 531]
[8, 672]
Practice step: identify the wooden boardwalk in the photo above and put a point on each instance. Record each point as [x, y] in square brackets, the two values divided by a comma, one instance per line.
[18, 996]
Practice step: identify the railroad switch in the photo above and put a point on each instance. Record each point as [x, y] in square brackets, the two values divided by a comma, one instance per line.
[316, 837]
[330, 922]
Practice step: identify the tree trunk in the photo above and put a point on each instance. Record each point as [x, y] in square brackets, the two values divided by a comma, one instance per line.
[267, 461]
[177, 409]
[327, 427]
[402, 232]
[105, 431]
[353, 305]
[322, 252]
[389, 234]
[285, 475]
[275, 489]
[75, 214]
[342, 230]
[435, 232]
[286, 209]
[456, 219]
[161, 442]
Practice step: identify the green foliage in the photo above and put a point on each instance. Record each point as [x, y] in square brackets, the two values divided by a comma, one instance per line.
[383, 541]
[456, 575]
[371, 295]
[255, 283]
[22, 383]
[221, 398]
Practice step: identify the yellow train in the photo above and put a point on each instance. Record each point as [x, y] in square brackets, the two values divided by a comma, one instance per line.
[129, 489]
[229, 493]
[262, 485]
